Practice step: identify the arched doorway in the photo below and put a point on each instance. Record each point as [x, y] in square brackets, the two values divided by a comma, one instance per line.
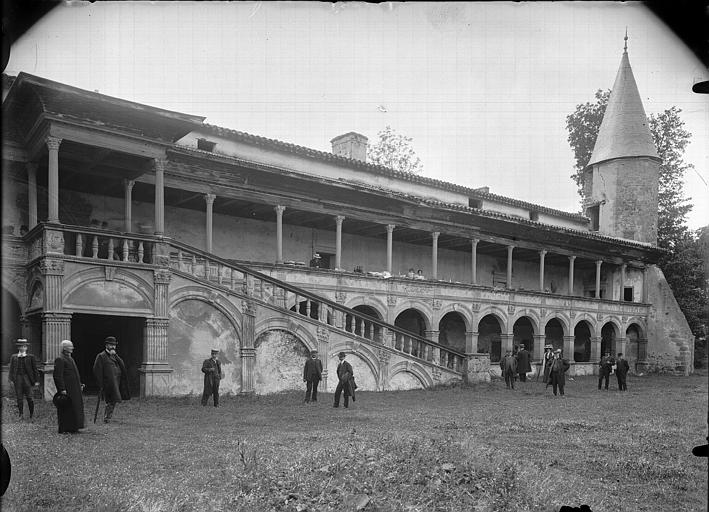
[413, 321]
[489, 340]
[523, 334]
[609, 334]
[554, 334]
[451, 331]
[582, 342]
[356, 326]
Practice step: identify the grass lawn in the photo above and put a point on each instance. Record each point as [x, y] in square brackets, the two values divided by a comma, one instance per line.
[476, 448]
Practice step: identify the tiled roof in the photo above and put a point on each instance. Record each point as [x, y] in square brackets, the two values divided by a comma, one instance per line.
[385, 171]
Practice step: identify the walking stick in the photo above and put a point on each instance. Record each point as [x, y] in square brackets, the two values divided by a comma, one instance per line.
[98, 402]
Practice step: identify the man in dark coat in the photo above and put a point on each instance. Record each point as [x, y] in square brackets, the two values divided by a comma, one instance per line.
[68, 382]
[23, 376]
[508, 365]
[605, 367]
[212, 369]
[111, 376]
[344, 382]
[523, 363]
[312, 375]
[557, 374]
[621, 372]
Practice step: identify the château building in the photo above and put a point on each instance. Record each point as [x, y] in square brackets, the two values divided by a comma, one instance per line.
[177, 236]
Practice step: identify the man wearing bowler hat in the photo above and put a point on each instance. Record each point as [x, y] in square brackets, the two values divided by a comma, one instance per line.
[344, 376]
[212, 370]
[312, 375]
[111, 376]
[23, 376]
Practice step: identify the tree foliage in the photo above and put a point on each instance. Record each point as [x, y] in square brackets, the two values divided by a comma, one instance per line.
[395, 151]
[583, 125]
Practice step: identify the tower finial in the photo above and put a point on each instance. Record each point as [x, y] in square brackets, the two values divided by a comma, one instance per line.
[625, 46]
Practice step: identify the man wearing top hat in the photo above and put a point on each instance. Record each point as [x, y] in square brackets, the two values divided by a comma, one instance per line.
[111, 376]
[23, 376]
[212, 370]
[546, 361]
[523, 363]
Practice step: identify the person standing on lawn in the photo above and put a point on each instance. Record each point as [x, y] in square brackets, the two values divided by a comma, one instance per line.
[111, 376]
[508, 365]
[557, 374]
[546, 361]
[68, 382]
[605, 367]
[344, 382]
[523, 363]
[312, 375]
[24, 376]
[621, 372]
[212, 370]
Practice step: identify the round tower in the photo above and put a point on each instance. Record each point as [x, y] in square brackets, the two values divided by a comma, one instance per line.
[621, 179]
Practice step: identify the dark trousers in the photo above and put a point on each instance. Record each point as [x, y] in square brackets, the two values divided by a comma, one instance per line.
[108, 411]
[602, 376]
[557, 383]
[522, 377]
[23, 390]
[311, 391]
[214, 392]
[509, 379]
[338, 391]
[622, 385]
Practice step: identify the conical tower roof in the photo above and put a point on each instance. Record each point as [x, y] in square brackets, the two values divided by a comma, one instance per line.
[624, 130]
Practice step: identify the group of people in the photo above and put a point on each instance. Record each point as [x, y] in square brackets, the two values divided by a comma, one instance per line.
[312, 375]
[109, 371]
[605, 368]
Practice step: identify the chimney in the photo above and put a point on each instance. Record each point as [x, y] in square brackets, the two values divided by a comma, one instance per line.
[350, 145]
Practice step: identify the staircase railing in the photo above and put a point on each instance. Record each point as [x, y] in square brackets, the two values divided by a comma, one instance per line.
[242, 279]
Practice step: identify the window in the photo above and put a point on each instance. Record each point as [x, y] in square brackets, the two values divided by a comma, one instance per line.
[206, 145]
[594, 213]
[475, 203]
[628, 294]
[534, 216]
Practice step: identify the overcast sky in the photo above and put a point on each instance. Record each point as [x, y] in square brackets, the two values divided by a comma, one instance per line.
[482, 88]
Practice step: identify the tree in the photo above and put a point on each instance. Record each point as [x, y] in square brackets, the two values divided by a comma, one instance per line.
[395, 151]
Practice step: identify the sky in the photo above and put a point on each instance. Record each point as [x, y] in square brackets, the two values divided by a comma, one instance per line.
[482, 89]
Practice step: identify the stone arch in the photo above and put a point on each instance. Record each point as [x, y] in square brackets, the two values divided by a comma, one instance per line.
[425, 310]
[356, 326]
[197, 325]
[368, 380]
[583, 331]
[90, 291]
[464, 313]
[497, 312]
[302, 309]
[610, 333]
[563, 320]
[218, 300]
[452, 329]
[490, 330]
[530, 315]
[372, 302]
[523, 332]
[289, 325]
[639, 324]
[410, 368]
[278, 361]
[589, 319]
[554, 332]
[412, 320]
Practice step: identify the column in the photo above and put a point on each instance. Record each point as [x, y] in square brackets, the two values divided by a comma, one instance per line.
[209, 199]
[510, 248]
[55, 328]
[539, 342]
[53, 179]
[571, 274]
[159, 196]
[542, 256]
[471, 342]
[390, 245]
[598, 278]
[621, 297]
[155, 371]
[248, 352]
[434, 255]
[569, 348]
[279, 232]
[32, 193]
[474, 254]
[646, 294]
[128, 209]
[595, 349]
[338, 241]
[505, 344]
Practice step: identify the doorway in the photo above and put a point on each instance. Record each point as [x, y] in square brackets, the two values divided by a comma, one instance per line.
[88, 333]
